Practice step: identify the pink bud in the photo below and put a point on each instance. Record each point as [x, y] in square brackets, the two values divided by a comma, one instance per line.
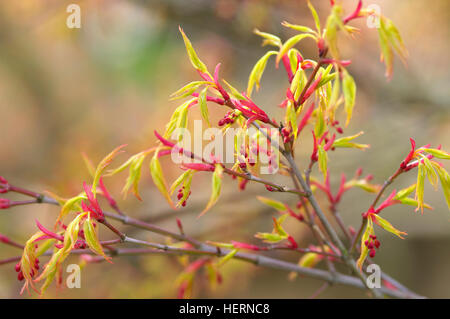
[5, 203]
[4, 239]
[372, 253]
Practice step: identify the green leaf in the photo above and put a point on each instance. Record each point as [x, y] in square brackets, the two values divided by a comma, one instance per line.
[199, 65]
[420, 184]
[345, 142]
[158, 178]
[315, 16]
[364, 249]
[437, 153]
[69, 206]
[334, 23]
[444, 178]
[105, 162]
[91, 236]
[203, 105]
[405, 192]
[297, 27]
[383, 223]
[134, 175]
[291, 117]
[234, 91]
[349, 89]
[290, 43]
[323, 159]
[188, 89]
[270, 237]
[269, 39]
[216, 187]
[179, 180]
[279, 206]
[257, 71]
[227, 257]
[310, 260]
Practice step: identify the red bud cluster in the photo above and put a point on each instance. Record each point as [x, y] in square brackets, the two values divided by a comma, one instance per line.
[229, 118]
[33, 271]
[372, 243]
[181, 194]
[4, 186]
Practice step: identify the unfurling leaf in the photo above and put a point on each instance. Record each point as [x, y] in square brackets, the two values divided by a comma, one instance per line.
[309, 260]
[364, 238]
[234, 92]
[216, 187]
[103, 165]
[390, 39]
[437, 153]
[296, 27]
[323, 160]
[90, 234]
[279, 206]
[315, 16]
[269, 39]
[270, 237]
[444, 178]
[349, 89]
[203, 105]
[290, 43]
[68, 206]
[257, 71]
[227, 257]
[334, 23]
[188, 89]
[420, 186]
[199, 65]
[158, 178]
[345, 142]
[383, 223]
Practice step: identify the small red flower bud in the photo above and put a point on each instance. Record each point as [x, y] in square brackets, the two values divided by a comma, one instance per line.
[370, 246]
[20, 276]
[372, 253]
[366, 243]
[377, 244]
[5, 203]
[269, 188]
[17, 267]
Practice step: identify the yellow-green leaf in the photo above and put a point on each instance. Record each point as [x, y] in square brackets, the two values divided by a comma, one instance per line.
[203, 105]
[383, 223]
[269, 39]
[323, 159]
[216, 187]
[297, 27]
[279, 206]
[349, 89]
[103, 165]
[257, 71]
[199, 65]
[291, 42]
[364, 249]
[91, 236]
[227, 257]
[315, 16]
[420, 184]
[158, 178]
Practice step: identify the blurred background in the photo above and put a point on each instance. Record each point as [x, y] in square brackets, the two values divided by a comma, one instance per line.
[66, 91]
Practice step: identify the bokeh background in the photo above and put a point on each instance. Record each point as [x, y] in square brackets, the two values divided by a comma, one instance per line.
[66, 91]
